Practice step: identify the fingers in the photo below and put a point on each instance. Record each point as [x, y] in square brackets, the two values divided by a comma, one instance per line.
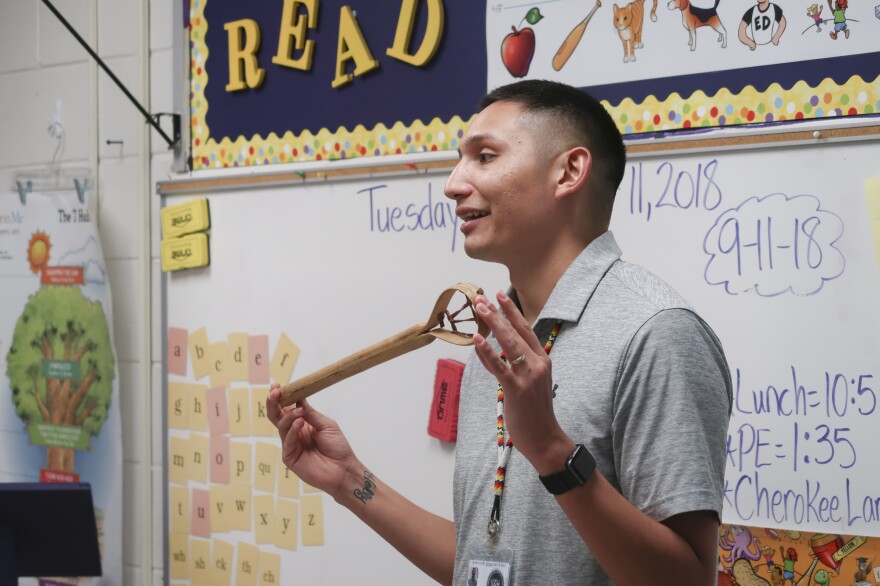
[513, 332]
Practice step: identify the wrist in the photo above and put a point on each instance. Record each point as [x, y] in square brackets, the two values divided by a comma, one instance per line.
[552, 458]
[578, 469]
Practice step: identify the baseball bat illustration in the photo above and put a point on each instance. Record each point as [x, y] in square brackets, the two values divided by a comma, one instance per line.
[572, 40]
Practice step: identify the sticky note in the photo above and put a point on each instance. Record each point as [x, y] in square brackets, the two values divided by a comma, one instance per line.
[219, 464]
[217, 358]
[239, 403]
[240, 469]
[178, 509]
[197, 414]
[220, 508]
[288, 482]
[177, 346]
[200, 555]
[178, 460]
[239, 357]
[286, 523]
[307, 488]
[264, 518]
[221, 568]
[178, 404]
[283, 360]
[247, 565]
[258, 360]
[312, 519]
[260, 424]
[218, 414]
[199, 450]
[241, 510]
[198, 353]
[200, 520]
[185, 252]
[266, 459]
[872, 192]
[178, 556]
[185, 218]
[270, 569]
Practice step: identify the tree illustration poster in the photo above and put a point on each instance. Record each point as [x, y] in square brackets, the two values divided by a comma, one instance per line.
[59, 381]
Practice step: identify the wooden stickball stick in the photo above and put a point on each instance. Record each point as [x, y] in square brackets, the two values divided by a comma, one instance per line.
[406, 341]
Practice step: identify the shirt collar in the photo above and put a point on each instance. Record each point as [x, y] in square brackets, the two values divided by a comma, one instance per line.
[571, 294]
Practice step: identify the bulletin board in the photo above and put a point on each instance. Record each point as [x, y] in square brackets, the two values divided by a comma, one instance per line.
[306, 81]
[777, 247]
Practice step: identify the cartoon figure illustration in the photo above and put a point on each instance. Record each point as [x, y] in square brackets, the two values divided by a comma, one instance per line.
[776, 578]
[822, 578]
[762, 24]
[768, 553]
[628, 22]
[693, 18]
[815, 12]
[788, 559]
[740, 546]
[861, 576]
[838, 10]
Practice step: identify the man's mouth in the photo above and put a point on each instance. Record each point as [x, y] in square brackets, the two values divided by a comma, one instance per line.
[472, 215]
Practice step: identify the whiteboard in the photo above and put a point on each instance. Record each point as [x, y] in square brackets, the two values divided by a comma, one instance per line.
[774, 248]
[339, 265]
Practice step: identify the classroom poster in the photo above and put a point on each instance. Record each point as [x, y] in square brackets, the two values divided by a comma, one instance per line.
[59, 387]
[302, 80]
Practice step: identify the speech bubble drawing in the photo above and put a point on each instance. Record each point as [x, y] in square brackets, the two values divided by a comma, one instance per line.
[773, 245]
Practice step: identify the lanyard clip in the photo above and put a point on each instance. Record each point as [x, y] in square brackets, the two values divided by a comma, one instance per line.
[494, 528]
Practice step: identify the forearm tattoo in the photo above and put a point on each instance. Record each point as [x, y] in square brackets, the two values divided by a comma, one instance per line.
[366, 493]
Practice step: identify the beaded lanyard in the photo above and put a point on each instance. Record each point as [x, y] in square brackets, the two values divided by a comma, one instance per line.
[506, 447]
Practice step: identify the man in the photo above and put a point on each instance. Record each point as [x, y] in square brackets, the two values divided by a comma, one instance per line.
[616, 470]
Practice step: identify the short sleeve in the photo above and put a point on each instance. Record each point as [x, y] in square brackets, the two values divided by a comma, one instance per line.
[747, 17]
[671, 411]
[778, 12]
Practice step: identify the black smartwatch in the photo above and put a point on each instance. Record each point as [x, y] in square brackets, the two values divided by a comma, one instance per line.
[578, 469]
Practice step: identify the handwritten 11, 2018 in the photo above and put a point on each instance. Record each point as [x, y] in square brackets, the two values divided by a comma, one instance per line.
[389, 215]
[774, 244]
[692, 188]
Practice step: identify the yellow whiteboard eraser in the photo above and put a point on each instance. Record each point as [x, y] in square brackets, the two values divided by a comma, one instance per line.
[186, 252]
[186, 218]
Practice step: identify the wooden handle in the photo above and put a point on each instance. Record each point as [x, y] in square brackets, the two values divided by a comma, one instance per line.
[571, 41]
[397, 345]
[410, 339]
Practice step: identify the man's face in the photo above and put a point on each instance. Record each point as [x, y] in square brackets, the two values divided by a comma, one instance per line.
[502, 187]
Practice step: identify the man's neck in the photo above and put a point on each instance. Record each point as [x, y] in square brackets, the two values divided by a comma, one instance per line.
[535, 281]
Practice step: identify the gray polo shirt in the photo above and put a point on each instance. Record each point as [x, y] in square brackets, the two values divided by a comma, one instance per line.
[641, 381]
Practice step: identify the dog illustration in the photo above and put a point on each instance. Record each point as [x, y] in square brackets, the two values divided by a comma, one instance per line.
[693, 18]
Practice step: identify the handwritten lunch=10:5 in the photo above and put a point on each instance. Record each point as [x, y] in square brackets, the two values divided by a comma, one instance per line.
[682, 189]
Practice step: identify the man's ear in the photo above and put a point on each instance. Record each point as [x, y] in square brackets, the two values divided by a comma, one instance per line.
[574, 167]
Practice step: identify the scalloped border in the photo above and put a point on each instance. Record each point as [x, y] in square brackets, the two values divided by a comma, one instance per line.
[775, 104]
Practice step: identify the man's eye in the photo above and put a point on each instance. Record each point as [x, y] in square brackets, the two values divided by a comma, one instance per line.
[486, 157]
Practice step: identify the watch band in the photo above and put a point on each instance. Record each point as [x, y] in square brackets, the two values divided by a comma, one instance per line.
[578, 469]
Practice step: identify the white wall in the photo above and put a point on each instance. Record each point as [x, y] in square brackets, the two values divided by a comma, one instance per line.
[41, 64]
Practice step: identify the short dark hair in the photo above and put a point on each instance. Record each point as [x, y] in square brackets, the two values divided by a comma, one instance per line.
[591, 123]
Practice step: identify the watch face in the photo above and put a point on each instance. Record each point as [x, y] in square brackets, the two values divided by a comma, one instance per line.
[581, 464]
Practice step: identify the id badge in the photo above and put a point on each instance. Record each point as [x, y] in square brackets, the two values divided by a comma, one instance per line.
[489, 566]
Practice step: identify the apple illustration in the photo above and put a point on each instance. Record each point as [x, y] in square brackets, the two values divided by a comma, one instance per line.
[517, 51]
[518, 47]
